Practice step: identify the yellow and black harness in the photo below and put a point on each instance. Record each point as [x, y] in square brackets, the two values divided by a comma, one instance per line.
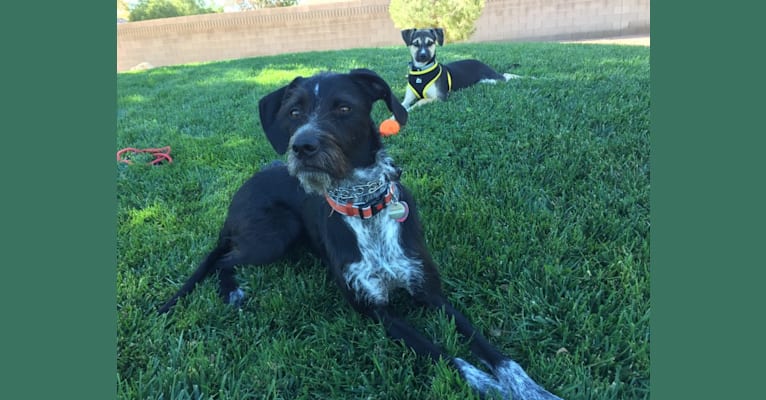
[421, 80]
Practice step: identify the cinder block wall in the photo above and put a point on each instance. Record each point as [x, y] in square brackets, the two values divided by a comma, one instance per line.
[535, 20]
[350, 24]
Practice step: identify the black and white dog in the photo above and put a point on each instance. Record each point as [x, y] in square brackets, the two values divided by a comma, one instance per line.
[428, 80]
[340, 194]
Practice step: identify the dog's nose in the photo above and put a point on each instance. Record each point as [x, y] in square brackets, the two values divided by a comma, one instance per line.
[305, 145]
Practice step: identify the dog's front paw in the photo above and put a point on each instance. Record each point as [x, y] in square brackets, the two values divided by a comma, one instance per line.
[481, 381]
[522, 387]
[236, 297]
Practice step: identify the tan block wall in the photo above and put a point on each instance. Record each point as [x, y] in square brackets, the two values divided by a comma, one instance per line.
[352, 24]
[532, 20]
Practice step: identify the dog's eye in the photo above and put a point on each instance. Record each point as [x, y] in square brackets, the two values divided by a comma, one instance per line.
[344, 109]
[295, 113]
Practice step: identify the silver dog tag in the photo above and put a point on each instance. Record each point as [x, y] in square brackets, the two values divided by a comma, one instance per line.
[418, 80]
[398, 210]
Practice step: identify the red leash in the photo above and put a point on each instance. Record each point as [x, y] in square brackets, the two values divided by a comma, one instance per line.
[161, 154]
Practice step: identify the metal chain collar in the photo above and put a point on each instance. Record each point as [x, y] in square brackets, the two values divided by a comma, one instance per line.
[358, 193]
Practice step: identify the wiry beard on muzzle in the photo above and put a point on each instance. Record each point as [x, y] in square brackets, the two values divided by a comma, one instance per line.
[318, 180]
[322, 171]
[312, 181]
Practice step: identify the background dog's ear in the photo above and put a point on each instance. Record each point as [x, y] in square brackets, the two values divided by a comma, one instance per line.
[439, 36]
[268, 107]
[407, 36]
[381, 91]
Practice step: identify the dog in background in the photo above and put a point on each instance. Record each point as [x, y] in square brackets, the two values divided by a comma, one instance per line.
[340, 196]
[428, 80]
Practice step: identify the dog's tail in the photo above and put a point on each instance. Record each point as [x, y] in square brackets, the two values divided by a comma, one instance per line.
[207, 267]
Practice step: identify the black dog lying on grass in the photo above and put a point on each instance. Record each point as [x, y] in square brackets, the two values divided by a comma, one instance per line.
[340, 194]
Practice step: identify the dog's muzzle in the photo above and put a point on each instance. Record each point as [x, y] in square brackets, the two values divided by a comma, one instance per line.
[305, 144]
[314, 160]
[422, 55]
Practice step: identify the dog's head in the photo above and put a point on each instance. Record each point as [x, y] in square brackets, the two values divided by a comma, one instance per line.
[324, 124]
[422, 44]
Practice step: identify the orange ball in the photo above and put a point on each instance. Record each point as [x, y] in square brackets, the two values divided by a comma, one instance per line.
[389, 127]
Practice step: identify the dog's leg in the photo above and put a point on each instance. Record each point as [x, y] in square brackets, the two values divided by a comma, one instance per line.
[207, 267]
[509, 373]
[417, 104]
[422, 102]
[409, 98]
[256, 238]
[522, 387]
[227, 287]
[398, 329]
[479, 345]
[223, 259]
[260, 227]
[479, 380]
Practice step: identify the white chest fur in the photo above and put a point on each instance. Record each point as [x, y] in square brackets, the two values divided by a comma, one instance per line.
[384, 266]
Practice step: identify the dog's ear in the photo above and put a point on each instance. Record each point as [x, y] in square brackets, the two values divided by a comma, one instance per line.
[407, 36]
[268, 107]
[379, 90]
[439, 36]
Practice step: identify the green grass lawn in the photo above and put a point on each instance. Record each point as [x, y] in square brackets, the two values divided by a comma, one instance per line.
[534, 195]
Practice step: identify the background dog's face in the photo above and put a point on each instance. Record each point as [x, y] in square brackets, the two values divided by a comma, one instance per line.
[422, 43]
[324, 124]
